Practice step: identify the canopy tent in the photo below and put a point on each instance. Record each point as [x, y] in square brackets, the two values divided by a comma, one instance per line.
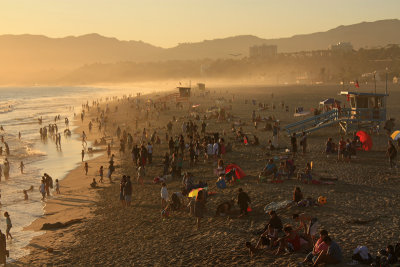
[365, 139]
[238, 171]
[395, 135]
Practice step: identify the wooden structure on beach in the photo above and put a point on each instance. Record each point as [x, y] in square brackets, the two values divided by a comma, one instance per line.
[365, 111]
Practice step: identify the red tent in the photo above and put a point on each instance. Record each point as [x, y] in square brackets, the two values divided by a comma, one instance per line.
[238, 171]
[365, 139]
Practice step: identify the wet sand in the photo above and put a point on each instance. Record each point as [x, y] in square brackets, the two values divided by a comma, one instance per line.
[366, 191]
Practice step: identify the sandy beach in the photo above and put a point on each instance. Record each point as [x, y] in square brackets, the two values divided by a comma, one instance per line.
[361, 204]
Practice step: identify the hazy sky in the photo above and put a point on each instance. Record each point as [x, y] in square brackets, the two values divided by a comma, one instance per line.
[169, 22]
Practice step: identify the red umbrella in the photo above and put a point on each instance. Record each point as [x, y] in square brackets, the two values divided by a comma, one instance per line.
[365, 139]
[238, 171]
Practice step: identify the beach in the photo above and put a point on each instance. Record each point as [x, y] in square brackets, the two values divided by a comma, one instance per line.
[361, 204]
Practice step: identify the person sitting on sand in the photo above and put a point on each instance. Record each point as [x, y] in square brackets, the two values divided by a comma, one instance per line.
[319, 246]
[331, 256]
[252, 249]
[224, 208]
[306, 175]
[282, 172]
[270, 169]
[306, 223]
[267, 238]
[297, 194]
[291, 241]
[93, 184]
[25, 194]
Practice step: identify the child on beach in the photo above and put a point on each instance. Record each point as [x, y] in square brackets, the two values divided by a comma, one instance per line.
[86, 168]
[9, 224]
[57, 187]
[101, 173]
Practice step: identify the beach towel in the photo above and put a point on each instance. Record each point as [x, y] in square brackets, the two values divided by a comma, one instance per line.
[276, 205]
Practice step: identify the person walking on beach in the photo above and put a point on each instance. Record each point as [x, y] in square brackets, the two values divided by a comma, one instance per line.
[164, 195]
[86, 168]
[83, 154]
[108, 150]
[101, 173]
[9, 225]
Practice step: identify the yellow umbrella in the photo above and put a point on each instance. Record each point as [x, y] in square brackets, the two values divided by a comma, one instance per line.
[395, 135]
[194, 192]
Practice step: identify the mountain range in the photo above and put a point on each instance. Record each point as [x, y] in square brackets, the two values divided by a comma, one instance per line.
[37, 55]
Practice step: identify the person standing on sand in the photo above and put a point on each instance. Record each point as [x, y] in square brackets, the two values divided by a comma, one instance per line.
[293, 141]
[42, 189]
[21, 166]
[275, 134]
[164, 195]
[150, 152]
[121, 190]
[108, 150]
[9, 225]
[83, 154]
[57, 187]
[101, 173]
[86, 168]
[199, 207]
[128, 191]
[303, 142]
[392, 154]
[243, 202]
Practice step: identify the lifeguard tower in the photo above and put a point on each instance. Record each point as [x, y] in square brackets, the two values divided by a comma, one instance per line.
[366, 110]
[363, 111]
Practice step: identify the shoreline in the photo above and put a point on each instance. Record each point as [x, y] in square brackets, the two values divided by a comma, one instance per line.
[76, 202]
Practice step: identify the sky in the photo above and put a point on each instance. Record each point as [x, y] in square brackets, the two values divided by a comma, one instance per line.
[166, 23]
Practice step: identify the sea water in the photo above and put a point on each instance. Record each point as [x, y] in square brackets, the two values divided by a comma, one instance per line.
[20, 109]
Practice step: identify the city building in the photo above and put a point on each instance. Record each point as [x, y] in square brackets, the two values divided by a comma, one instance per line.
[342, 47]
[263, 51]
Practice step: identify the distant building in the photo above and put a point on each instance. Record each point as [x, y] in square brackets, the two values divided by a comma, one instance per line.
[263, 51]
[342, 47]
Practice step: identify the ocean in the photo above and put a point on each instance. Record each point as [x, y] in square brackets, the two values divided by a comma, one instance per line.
[20, 109]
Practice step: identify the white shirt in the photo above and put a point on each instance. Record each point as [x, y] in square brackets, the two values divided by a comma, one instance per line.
[150, 149]
[164, 193]
[209, 149]
[215, 149]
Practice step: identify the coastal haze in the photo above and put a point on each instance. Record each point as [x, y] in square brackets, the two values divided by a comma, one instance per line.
[200, 88]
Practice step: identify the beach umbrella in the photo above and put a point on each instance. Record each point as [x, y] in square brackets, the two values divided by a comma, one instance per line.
[365, 139]
[239, 173]
[194, 192]
[395, 135]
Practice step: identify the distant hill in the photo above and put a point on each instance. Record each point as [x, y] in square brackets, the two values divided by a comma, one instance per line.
[23, 57]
